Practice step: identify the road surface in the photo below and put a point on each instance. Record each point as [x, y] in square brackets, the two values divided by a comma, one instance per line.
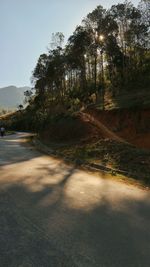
[54, 215]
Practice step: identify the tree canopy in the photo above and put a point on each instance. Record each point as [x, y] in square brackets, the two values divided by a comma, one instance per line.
[108, 52]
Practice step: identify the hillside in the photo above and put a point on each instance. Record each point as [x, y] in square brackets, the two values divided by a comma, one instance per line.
[117, 140]
[114, 140]
[12, 96]
[131, 124]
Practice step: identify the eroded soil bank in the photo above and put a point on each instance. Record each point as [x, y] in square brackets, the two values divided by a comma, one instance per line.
[95, 139]
[131, 124]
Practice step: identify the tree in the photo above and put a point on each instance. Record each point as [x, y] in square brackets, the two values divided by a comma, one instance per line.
[20, 107]
[57, 40]
[106, 52]
[28, 96]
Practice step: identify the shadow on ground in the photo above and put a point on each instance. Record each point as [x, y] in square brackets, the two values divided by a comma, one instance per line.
[61, 217]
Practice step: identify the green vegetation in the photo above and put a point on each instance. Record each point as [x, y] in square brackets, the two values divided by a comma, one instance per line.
[107, 55]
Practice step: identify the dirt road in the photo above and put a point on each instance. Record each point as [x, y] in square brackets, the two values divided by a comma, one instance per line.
[54, 215]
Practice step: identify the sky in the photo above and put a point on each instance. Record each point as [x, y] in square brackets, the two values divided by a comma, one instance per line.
[26, 27]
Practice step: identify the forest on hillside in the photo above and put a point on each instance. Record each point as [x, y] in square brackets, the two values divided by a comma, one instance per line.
[106, 57]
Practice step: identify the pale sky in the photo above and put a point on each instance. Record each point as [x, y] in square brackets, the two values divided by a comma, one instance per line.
[26, 27]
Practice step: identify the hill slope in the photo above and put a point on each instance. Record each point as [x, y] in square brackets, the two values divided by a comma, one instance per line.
[12, 96]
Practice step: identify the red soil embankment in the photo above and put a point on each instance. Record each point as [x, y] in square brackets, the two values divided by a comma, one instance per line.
[104, 131]
[131, 125]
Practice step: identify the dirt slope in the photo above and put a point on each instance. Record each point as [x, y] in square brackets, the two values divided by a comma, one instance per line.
[104, 130]
[132, 125]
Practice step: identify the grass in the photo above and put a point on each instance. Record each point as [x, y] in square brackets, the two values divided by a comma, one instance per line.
[118, 157]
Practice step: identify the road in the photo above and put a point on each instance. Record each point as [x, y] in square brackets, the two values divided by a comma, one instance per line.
[55, 215]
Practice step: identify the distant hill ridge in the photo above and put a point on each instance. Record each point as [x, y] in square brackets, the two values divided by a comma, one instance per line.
[12, 96]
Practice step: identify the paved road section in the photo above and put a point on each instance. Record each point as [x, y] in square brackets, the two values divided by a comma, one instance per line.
[54, 215]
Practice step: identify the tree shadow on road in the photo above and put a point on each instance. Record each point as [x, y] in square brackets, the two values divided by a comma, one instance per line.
[64, 218]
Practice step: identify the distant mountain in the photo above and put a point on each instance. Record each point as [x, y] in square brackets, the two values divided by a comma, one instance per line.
[12, 96]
